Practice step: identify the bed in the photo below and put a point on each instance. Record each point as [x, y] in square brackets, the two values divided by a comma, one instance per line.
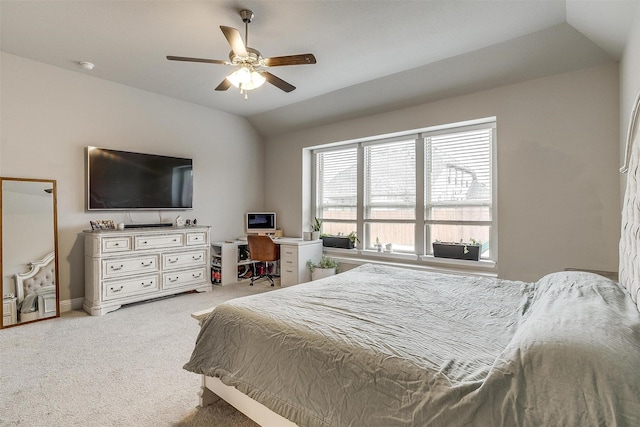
[385, 346]
[36, 290]
[408, 348]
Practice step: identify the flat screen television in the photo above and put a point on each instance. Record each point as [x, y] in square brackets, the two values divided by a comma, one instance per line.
[261, 222]
[122, 180]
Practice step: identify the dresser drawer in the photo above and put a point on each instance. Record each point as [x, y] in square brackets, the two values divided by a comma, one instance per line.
[159, 242]
[197, 238]
[116, 244]
[183, 259]
[180, 278]
[128, 287]
[128, 266]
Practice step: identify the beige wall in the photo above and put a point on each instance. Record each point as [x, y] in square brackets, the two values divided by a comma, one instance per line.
[49, 115]
[558, 154]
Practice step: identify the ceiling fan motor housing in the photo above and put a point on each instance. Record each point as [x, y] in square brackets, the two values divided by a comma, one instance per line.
[246, 15]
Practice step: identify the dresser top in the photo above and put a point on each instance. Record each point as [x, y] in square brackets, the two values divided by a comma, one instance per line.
[147, 229]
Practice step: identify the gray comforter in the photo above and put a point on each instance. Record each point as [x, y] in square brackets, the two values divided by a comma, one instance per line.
[383, 346]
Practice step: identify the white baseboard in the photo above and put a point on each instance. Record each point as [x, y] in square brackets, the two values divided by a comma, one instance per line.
[72, 304]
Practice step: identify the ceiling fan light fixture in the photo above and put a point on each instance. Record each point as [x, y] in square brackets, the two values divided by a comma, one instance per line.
[246, 79]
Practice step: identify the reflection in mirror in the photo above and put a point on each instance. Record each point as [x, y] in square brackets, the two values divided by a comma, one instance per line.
[28, 253]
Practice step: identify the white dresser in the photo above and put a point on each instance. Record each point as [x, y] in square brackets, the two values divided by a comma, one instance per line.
[126, 266]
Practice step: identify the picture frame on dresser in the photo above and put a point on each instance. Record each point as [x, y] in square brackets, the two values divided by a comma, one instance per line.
[133, 265]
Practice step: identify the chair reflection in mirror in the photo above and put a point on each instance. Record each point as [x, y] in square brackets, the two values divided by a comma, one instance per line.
[36, 290]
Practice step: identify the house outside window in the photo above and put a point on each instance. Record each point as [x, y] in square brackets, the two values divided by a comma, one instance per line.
[412, 189]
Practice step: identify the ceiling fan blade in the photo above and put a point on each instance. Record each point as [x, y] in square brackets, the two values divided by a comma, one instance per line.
[208, 61]
[302, 59]
[278, 82]
[235, 41]
[224, 85]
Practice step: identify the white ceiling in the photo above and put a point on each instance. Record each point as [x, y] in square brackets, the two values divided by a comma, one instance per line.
[372, 55]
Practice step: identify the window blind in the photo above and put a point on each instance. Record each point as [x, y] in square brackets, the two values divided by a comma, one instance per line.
[390, 180]
[337, 183]
[459, 168]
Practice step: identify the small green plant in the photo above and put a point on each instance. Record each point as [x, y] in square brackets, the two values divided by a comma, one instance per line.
[325, 262]
[316, 225]
[353, 237]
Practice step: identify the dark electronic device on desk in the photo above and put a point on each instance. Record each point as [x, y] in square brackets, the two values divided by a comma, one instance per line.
[261, 223]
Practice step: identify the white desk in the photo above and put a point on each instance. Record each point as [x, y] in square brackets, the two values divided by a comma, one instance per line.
[294, 254]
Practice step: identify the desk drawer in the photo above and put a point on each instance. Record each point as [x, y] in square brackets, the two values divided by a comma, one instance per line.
[288, 251]
[124, 288]
[180, 278]
[159, 242]
[126, 266]
[184, 259]
[116, 244]
[287, 261]
[288, 276]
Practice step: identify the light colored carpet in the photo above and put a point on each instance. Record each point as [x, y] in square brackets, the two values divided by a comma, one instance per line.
[120, 369]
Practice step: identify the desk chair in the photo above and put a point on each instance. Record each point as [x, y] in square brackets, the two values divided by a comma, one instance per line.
[262, 249]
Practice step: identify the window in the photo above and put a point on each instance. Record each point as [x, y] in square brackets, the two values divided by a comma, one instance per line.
[411, 190]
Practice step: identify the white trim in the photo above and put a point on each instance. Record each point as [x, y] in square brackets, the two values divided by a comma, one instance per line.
[483, 267]
[72, 304]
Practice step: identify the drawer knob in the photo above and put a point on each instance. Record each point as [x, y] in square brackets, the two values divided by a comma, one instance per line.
[116, 290]
[197, 258]
[149, 264]
[172, 261]
[114, 268]
[146, 285]
[174, 279]
[197, 276]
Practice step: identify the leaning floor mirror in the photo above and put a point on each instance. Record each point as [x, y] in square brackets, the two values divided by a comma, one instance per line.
[29, 251]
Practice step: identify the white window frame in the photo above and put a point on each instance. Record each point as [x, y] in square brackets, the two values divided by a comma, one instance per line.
[422, 252]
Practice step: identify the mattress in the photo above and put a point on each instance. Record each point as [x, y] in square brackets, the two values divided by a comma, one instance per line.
[385, 346]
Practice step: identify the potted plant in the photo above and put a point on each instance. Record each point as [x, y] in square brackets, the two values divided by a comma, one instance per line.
[378, 244]
[316, 225]
[340, 241]
[458, 250]
[325, 268]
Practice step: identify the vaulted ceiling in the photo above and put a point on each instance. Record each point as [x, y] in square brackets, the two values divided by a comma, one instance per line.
[372, 56]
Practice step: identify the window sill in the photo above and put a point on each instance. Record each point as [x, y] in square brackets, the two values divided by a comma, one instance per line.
[485, 268]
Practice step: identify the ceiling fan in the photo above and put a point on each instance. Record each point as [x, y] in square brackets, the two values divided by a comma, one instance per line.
[251, 67]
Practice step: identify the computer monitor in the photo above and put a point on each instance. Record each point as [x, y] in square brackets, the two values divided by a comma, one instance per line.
[261, 222]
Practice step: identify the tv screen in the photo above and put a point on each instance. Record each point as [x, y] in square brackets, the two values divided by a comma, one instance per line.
[123, 180]
[261, 222]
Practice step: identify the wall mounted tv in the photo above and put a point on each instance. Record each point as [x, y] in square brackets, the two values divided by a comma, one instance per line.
[122, 180]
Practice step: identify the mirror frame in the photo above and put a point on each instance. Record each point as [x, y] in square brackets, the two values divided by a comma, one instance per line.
[55, 245]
